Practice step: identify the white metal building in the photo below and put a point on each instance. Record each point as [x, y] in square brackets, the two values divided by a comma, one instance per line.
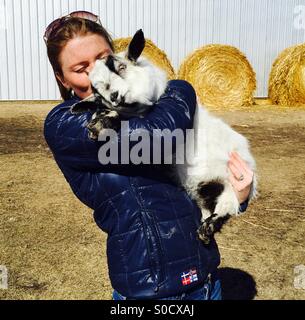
[259, 28]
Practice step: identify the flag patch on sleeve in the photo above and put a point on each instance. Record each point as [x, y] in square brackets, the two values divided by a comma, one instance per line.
[189, 277]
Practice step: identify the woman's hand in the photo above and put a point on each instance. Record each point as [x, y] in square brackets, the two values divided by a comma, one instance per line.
[241, 176]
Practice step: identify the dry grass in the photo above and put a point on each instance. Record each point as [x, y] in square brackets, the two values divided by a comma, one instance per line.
[53, 249]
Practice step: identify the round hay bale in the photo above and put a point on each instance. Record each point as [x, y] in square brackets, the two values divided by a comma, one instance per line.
[287, 77]
[221, 75]
[152, 52]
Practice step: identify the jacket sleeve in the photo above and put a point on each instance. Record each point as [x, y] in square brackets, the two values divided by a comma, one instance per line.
[67, 135]
[243, 206]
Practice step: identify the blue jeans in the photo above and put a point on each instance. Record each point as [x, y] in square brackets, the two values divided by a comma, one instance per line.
[211, 290]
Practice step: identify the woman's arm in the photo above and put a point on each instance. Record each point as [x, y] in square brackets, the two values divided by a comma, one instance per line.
[67, 135]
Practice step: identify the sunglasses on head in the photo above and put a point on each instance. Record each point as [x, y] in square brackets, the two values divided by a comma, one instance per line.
[57, 24]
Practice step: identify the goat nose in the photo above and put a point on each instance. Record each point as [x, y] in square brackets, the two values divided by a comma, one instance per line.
[114, 96]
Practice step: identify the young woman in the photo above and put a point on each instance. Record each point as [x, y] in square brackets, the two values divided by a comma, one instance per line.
[152, 248]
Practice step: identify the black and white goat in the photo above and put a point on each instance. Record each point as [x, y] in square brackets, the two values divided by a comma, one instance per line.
[127, 84]
[124, 85]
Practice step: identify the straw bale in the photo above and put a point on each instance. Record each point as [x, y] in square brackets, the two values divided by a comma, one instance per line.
[221, 75]
[286, 80]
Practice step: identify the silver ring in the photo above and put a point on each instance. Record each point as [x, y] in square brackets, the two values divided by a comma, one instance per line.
[241, 178]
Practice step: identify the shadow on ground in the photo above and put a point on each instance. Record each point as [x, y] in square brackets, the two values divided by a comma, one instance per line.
[237, 284]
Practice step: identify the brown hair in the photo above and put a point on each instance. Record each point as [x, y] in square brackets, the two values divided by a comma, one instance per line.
[71, 28]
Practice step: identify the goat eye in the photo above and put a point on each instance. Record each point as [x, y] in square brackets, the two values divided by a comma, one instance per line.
[107, 86]
[122, 67]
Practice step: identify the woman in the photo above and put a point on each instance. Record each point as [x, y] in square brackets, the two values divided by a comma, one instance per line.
[152, 248]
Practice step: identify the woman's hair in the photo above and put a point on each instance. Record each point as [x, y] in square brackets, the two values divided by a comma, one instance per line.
[71, 28]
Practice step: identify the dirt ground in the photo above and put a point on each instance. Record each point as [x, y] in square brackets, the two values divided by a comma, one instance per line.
[53, 249]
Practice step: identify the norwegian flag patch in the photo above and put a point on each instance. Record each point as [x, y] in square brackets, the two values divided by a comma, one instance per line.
[189, 277]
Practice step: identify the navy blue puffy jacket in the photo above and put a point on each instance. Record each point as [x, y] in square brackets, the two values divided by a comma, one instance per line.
[150, 222]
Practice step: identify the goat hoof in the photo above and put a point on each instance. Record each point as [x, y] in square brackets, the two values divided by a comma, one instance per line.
[112, 123]
[206, 230]
[205, 239]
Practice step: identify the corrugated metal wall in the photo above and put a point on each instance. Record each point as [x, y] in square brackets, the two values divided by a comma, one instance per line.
[259, 28]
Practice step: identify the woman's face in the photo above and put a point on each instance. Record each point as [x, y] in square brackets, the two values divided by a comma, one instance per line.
[77, 60]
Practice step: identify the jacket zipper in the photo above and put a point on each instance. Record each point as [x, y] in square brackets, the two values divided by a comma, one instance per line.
[153, 242]
[154, 248]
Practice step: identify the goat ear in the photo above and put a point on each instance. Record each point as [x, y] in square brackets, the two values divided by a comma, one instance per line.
[86, 105]
[136, 46]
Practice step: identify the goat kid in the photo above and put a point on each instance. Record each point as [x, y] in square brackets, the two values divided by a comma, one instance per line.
[126, 85]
